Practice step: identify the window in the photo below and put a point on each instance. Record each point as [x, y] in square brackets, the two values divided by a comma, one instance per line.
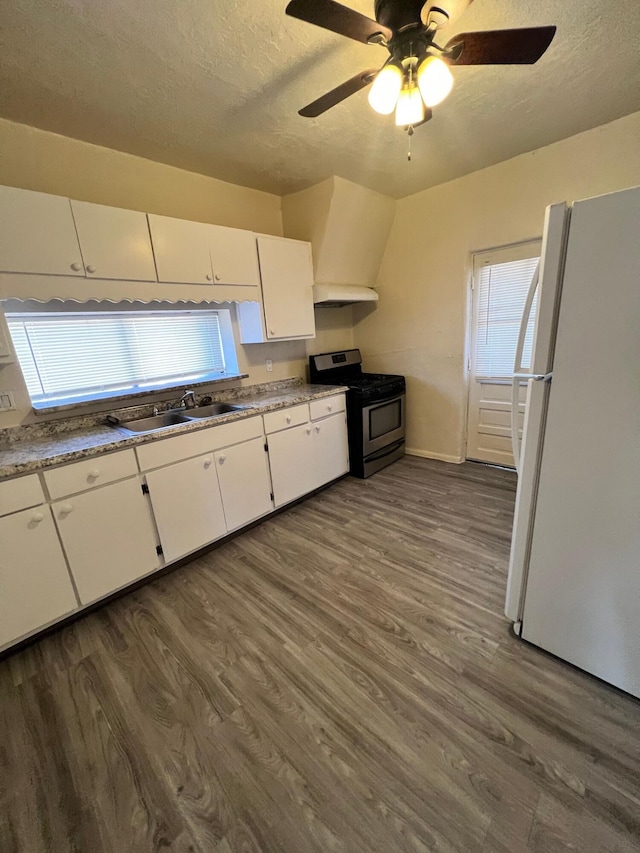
[501, 283]
[69, 357]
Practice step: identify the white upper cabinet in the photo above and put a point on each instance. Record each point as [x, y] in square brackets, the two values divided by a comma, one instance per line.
[286, 268]
[286, 271]
[234, 256]
[37, 234]
[115, 243]
[181, 249]
[199, 253]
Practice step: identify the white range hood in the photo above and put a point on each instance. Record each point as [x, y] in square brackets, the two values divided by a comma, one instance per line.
[330, 295]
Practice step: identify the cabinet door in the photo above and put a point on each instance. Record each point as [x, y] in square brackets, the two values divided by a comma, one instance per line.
[181, 250]
[37, 234]
[35, 587]
[292, 463]
[114, 242]
[244, 482]
[234, 256]
[108, 536]
[187, 505]
[331, 449]
[287, 277]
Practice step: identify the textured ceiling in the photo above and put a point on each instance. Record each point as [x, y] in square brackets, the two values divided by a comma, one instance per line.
[214, 87]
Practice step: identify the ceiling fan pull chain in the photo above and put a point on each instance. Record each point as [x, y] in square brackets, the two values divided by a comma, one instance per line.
[410, 133]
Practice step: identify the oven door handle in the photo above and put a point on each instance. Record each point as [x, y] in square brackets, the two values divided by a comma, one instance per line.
[384, 401]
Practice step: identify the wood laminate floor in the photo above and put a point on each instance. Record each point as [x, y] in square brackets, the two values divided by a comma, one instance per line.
[340, 678]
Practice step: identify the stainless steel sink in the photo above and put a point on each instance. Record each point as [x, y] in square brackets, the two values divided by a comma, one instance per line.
[212, 410]
[166, 419]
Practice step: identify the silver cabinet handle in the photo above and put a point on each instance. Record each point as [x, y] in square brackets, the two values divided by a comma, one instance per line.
[91, 269]
[37, 517]
[76, 267]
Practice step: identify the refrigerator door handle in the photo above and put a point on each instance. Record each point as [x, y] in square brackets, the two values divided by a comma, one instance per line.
[518, 375]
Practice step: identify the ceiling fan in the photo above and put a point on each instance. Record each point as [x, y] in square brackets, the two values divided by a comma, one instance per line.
[417, 75]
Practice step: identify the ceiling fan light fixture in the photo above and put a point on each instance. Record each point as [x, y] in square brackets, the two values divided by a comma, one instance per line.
[410, 107]
[383, 94]
[435, 80]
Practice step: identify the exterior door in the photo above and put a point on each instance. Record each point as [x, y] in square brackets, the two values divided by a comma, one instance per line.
[501, 280]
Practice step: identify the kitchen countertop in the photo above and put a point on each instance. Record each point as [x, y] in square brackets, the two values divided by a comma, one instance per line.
[23, 456]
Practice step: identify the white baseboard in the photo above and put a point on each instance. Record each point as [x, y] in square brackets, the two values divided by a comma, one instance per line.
[443, 457]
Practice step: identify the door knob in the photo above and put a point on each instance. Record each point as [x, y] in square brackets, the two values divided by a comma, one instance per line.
[91, 269]
[76, 267]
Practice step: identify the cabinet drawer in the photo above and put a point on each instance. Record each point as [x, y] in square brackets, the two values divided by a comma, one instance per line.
[169, 450]
[284, 418]
[20, 494]
[92, 472]
[326, 406]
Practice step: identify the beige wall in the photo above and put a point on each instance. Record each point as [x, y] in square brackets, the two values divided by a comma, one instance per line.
[37, 160]
[420, 325]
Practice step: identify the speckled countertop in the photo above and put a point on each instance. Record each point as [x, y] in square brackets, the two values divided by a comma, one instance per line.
[33, 448]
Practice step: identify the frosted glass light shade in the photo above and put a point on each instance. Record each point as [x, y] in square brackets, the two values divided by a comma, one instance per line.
[410, 108]
[383, 94]
[435, 80]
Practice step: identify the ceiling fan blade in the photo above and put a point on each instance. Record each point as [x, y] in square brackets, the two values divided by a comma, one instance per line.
[337, 18]
[339, 94]
[500, 47]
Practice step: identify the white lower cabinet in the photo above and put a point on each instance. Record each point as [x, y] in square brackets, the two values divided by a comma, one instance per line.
[292, 464]
[307, 456]
[187, 505]
[244, 482]
[35, 588]
[108, 536]
[331, 449]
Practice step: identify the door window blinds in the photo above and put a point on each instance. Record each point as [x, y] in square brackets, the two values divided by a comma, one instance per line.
[83, 356]
[501, 284]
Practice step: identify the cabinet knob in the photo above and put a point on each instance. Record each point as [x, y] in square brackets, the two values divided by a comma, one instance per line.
[217, 278]
[37, 517]
[65, 509]
[329, 408]
[208, 277]
[271, 332]
[207, 463]
[221, 459]
[76, 267]
[308, 430]
[317, 429]
[91, 269]
[94, 474]
[288, 419]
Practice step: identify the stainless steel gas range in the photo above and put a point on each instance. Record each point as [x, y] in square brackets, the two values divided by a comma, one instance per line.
[375, 409]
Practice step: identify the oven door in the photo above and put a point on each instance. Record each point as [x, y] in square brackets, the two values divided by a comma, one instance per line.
[382, 423]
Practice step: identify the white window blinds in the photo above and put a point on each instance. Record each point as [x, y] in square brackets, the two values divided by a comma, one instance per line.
[68, 357]
[501, 290]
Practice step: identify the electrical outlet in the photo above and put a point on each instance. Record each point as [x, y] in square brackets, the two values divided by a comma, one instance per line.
[269, 365]
[7, 403]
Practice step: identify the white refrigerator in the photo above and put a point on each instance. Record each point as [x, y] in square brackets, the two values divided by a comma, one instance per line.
[574, 571]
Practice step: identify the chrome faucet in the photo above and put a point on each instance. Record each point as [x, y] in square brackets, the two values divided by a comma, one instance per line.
[188, 400]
